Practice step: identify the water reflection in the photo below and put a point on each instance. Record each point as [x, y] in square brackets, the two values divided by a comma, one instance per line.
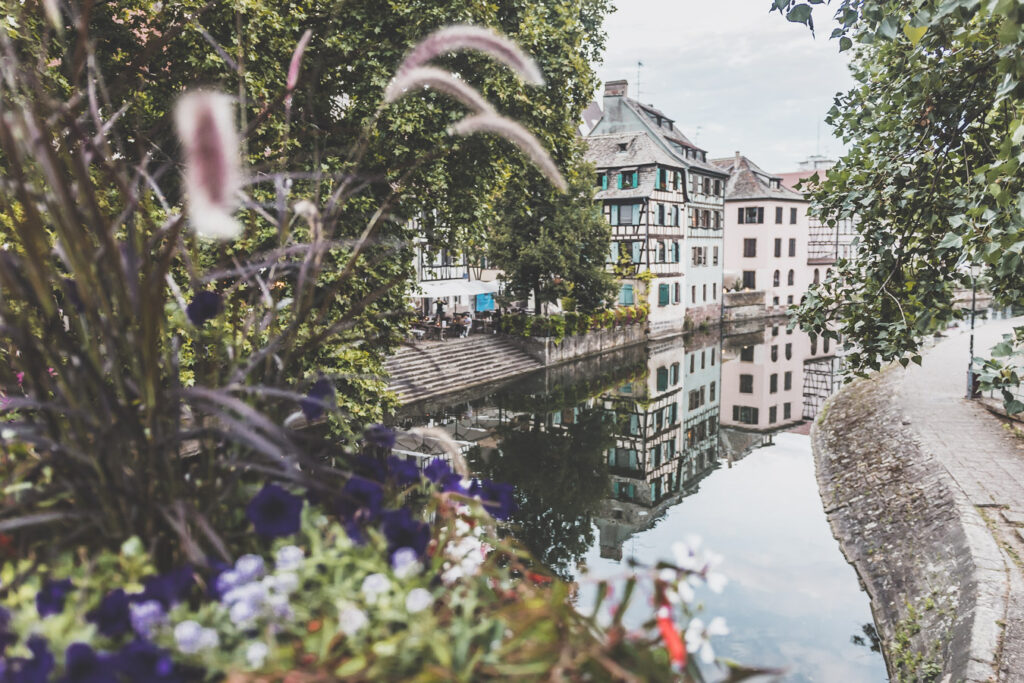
[614, 442]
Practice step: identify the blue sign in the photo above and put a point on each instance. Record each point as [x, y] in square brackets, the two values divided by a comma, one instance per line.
[485, 302]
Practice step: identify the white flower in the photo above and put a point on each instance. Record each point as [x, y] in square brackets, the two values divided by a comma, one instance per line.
[289, 557]
[452, 574]
[374, 585]
[406, 563]
[192, 638]
[418, 600]
[282, 582]
[249, 567]
[351, 620]
[686, 553]
[698, 638]
[242, 613]
[256, 654]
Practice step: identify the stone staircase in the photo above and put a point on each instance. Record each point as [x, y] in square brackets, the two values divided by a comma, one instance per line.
[428, 369]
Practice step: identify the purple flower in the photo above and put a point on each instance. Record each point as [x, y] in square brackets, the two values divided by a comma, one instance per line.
[50, 598]
[379, 436]
[6, 637]
[370, 468]
[204, 306]
[498, 499]
[317, 400]
[146, 616]
[360, 500]
[112, 617]
[249, 567]
[274, 512]
[168, 589]
[437, 470]
[83, 665]
[35, 670]
[142, 662]
[402, 531]
[402, 471]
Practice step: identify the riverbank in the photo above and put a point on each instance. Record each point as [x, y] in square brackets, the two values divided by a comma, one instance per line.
[923, 489]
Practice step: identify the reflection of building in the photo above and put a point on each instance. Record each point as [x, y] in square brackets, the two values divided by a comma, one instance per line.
[766, 234]
[667, 440]
[774, 378]
[664, 201]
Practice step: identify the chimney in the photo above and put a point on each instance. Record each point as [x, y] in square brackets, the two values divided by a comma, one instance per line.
[616, 88]
[738, 157]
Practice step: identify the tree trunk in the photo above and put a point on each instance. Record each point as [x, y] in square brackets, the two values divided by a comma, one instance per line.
[536, 301]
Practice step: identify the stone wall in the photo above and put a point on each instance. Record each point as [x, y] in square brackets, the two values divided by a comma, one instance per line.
[901, 521]
[547, 351]
[743, 305]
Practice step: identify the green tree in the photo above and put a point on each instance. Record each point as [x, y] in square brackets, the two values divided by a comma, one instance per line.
[935, 128]
[556, 246]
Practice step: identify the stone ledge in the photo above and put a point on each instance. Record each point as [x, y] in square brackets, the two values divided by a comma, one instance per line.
[935, 574]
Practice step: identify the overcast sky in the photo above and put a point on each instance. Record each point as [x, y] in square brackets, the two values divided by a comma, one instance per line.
[751, 81]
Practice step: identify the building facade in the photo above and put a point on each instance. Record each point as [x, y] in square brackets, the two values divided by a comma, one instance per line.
[665, 204]
[766, 235]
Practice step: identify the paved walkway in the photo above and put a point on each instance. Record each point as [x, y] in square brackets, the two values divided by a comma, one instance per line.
[986, 463]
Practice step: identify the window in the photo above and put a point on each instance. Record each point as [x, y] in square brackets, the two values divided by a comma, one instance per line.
[773, 415]
[747, 354]
[694, 400]
[787, 411]
[714, 256]
[775, 331]
[790, 279]
[675, 251]
[746, 384]
[711, 392]
[814, 345]
[675, 215]
[775, 278]
[703, 359]
[712, 358]
[775, 352]
[749, 279]
[778, 214]
[662, 379]
[787, 381]
[744, 415]
[789, 351]
[663, 295]
[718, 188]
[714, 291]
[626, 295]
[825, 345]
[675, 181]
[792, 216]
[705, 219]
[661, 214]
[661, 179]
[628, 180]
[792, 247]
[751, 214]
[789, 299]
[661, 251]
[778, 247]
[750, 247]
[673, 374]
[602, 181]
[693, 359]
[707, 185]
[675, 293]
[718, 219]
[817, 276]
[625, 215]
[773, 383]
[775, 301]
[705, 298]
[693, 294]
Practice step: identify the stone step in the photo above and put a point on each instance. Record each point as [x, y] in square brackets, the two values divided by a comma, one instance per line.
[435, 368]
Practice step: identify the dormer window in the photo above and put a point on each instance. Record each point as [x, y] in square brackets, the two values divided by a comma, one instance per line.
[775, 183]
[622, 146]
[628, 180]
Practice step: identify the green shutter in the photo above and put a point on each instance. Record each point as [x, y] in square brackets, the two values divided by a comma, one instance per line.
[604, 181]
[614, 214]
[636, 178]
[662, 379]
[663, 295]
[638, 252]
[614, 251]
[657, 178]
[619, 176]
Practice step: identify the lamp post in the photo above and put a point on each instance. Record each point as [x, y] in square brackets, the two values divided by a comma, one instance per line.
[970, 359]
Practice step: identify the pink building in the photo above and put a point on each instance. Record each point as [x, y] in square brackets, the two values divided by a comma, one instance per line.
[766, 235]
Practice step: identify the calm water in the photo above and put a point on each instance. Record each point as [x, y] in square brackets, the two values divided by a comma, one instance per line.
[620, 456]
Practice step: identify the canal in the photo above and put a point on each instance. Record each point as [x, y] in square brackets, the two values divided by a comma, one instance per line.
[622, 455]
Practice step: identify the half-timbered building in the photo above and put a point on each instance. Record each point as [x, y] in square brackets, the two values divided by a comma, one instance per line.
[664, 201]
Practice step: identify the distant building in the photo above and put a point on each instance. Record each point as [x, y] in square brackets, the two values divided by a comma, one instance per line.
[766, 235]
[825, 245]
[665, 203]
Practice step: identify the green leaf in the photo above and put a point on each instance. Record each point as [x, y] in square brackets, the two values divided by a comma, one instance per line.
[951, 241]
[845, 44]
[887, 28]
[1013, 407]
[914, 33]
[800, 14]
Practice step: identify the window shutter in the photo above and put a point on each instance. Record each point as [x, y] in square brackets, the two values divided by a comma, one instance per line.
[675, 252]
[663, 295]
[619, 176]
[638, 252]
[637, 208]
[636, 177]
[614, 251]
[662, 379]
[604, 181]
[741, 215]
[760, 214]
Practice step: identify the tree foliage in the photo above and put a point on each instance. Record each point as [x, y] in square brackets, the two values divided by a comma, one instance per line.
[555, 247]
[935, 127]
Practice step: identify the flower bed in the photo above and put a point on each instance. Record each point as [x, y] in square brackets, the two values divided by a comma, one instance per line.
[563, 325]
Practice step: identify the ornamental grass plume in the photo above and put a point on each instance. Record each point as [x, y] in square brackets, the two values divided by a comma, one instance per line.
[212, 167]
[479, 38]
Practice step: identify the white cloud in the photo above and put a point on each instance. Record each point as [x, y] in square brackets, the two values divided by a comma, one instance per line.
[747, 79]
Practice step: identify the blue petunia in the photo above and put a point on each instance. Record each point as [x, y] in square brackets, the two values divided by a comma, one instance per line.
[113, 616]
[498, 499]
[168, 589]
[403, 531]
[274, 512]
[204, 306]
[142, 662]
[379, 436]
[83, 665]
[437, 470]
[403, 471]
[360, 500]
[50, 598]
[34, 670]
[317, 400]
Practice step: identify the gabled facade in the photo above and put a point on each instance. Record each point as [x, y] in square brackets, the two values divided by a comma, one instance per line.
[665, 203]
[766, 235]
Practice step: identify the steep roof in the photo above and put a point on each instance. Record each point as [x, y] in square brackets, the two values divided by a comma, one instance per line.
[626, 149]
[747, 180]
